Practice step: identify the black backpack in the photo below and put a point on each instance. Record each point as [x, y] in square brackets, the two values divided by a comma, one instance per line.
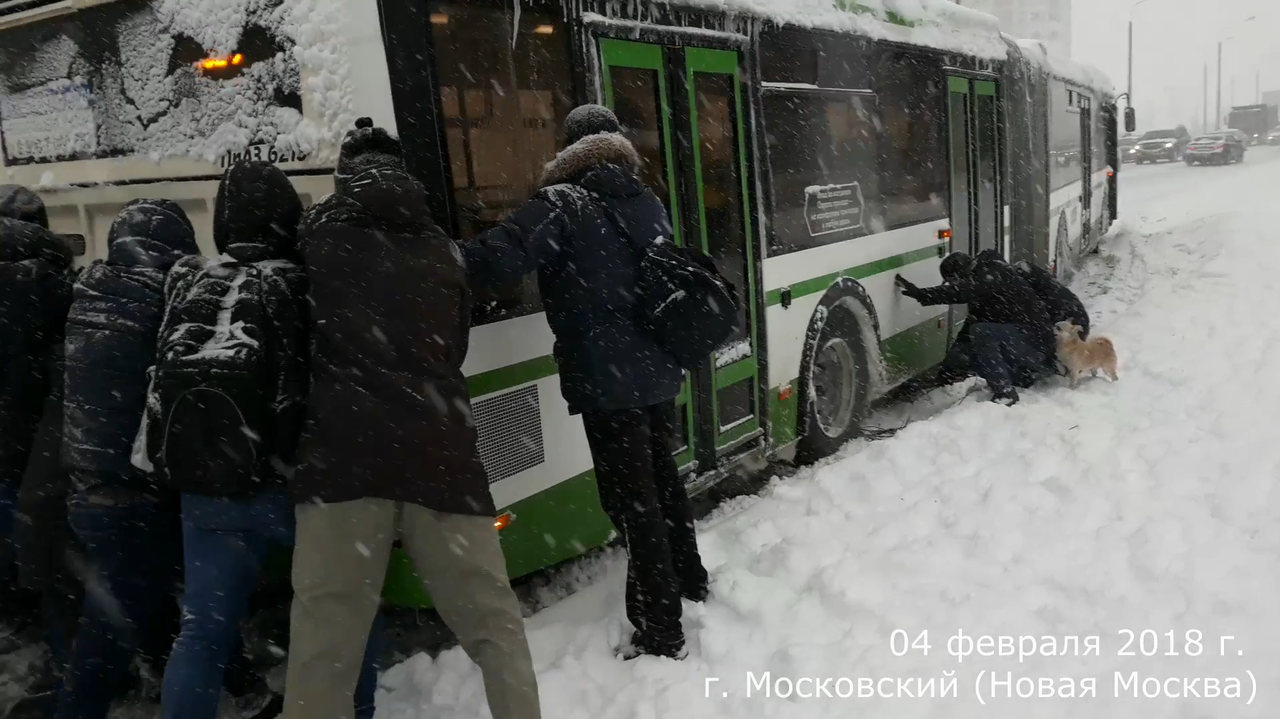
[685, 303]
[213, 385]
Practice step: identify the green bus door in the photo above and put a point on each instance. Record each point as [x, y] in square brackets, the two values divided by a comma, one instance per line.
[973, 120]
[683, 109]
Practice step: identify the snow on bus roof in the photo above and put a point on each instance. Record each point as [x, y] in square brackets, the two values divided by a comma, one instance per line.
[936, 24]
[1069, 70]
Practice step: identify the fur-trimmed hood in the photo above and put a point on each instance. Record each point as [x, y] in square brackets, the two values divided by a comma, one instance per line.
[591, 153]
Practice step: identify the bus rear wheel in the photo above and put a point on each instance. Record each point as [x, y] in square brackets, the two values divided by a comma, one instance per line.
[835, 386]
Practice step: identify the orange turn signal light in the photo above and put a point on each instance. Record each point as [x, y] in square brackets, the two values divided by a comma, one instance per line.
[944, 234]
[784, 394]
[217, 63]
[503, 521]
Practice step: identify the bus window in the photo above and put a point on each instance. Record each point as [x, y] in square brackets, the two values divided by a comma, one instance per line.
[913, 158]
[117, 80]
[504, 97]
[819, 142]
[1064, 136]
[637, 104]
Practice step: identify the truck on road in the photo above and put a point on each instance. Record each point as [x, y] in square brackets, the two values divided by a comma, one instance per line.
[1255, 121]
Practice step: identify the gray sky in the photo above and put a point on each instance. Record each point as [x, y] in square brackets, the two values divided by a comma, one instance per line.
[1172, 41]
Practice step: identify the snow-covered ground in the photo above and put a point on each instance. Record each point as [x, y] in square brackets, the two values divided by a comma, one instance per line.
[1141, 505]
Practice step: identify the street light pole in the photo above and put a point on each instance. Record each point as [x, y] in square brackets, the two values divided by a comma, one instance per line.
[1217, 121]
[1217, 118]
[1129, 94]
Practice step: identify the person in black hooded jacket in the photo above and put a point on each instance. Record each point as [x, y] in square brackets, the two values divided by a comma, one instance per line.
[1007, 337]
[579, 233]
[1061, 303]
[229, 520]
[389, 446]
[126, 522]
[35, 294]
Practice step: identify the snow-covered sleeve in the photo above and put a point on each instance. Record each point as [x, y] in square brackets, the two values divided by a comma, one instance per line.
[954, 293]
[529, 238]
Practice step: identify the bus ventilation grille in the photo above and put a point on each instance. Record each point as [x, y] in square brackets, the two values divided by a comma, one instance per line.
[13, 7]
[510, 429]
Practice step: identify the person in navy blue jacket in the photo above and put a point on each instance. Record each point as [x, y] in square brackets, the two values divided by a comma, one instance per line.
[579, 233]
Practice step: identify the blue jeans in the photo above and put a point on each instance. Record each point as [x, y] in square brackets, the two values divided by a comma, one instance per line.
[134, 562]
[226, 542]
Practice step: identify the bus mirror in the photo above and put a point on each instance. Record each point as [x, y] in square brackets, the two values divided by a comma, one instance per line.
[1130, 120]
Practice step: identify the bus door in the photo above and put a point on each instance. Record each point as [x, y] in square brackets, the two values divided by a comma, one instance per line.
[974, 129]
[975, 169]
[1086, 169]
[684, 108]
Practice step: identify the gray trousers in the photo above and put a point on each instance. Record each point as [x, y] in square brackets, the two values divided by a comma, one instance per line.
[339, 564]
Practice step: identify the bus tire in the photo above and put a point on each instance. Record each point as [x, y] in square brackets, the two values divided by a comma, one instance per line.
[835, 378]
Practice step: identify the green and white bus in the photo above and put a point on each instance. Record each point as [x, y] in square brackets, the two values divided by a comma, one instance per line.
[813, 155]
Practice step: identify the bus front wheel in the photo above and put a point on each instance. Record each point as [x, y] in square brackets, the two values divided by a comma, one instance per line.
[835, 382]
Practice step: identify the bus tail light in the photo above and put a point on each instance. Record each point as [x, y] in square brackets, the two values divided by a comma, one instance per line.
[503, 521]
[784, 394]
[944, 234]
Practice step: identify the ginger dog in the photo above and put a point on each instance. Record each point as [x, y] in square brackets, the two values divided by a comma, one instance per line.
[1081, 356]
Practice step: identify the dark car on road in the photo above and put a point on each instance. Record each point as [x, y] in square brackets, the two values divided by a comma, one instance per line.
[1163, 145]
[1128, 149]
[1216, 148]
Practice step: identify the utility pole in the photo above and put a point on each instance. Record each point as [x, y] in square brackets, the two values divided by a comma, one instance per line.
[1129, 91]
[1217, 118]
[1129, 96]
[1257, 87]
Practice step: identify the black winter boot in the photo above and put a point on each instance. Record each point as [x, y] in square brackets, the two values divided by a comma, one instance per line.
[1006, 396]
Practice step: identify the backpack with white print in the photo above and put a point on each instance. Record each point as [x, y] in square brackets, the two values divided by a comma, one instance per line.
[211, 414]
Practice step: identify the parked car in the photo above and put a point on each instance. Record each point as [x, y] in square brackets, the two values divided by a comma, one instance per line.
[1128, 149]
[1163, 145]
[1217, 148]
[1273, 137]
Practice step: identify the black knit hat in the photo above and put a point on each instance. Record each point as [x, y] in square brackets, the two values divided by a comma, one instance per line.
[588, 120]
[956, 264]
[367, 147]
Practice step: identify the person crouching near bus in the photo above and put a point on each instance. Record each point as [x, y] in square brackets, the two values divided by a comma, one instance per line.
[1007, 339]
[389, 446]
[611, 372]
[125, 520]
[223, 416]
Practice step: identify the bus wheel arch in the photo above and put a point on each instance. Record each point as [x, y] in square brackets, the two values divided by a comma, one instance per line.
[1062, 250]
[836, 370]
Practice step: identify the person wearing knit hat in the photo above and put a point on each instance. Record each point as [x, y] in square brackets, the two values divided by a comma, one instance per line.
[389, 448]
[581, 233]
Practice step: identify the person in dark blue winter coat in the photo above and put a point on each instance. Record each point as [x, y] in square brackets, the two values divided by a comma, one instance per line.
[230, 521]
[578, 233]
[126, 523]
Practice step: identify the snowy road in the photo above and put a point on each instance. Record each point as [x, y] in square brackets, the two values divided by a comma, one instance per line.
[1144, 505]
